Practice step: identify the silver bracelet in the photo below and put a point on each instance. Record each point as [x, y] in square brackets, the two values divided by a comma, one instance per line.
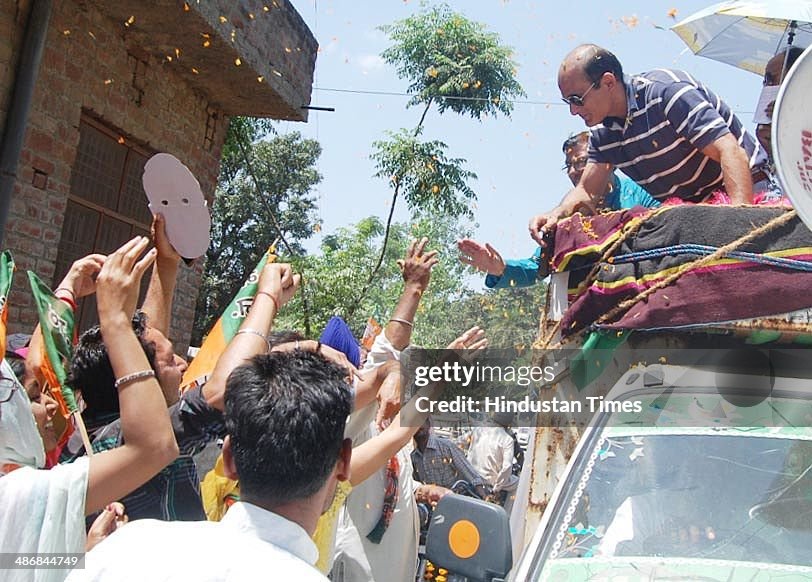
[257, 333]
[130, 378]
[403, 321]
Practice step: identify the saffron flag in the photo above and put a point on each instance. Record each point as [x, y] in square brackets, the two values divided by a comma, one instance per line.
[226, 327]
[56, 322]
[6, 273]
[371, 331]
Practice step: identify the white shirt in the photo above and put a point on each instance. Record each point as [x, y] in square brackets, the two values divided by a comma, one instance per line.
[395, 558]
[250, 543]
[43, 511]
[491, 454]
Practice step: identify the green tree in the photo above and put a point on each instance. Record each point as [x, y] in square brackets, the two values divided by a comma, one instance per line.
[264, 194]
[333, 284]
[456, 64]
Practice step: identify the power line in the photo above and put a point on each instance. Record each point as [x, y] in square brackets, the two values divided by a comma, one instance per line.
[448, 97]
[454, 97]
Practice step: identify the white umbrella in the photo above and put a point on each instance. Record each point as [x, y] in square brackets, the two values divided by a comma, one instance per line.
[746, 34]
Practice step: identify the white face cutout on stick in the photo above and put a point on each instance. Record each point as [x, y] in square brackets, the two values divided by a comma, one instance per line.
[172, 190]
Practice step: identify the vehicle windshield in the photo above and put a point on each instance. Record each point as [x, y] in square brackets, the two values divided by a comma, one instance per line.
[727, 494]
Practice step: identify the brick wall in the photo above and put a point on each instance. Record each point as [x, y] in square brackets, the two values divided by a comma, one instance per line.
[87, 66]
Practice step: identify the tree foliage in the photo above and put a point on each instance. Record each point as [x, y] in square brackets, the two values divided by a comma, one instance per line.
[454, 62]
[264, 192]
[448, 307]
[333, 283]
[428, 178]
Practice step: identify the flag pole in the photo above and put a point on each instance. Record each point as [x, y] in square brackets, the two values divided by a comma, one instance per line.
[80, 424]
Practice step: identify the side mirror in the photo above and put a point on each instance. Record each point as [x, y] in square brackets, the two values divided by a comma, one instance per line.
[470, 538]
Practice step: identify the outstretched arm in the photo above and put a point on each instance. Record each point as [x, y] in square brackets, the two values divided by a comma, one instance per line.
[587, 193]
[149, 442]
[158, 301]
[416, 270]
[277, 285]
[373, 454]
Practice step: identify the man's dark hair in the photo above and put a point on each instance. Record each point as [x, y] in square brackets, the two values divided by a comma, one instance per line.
[91, 372]
[602, 61]
[285, 413]
[574, 140]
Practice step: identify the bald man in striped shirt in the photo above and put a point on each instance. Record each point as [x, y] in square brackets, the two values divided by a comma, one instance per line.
[663, 129]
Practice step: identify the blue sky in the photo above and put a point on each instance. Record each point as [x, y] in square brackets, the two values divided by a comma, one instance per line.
[518, 160]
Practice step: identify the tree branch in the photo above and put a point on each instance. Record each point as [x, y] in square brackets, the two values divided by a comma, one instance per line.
[377, 267]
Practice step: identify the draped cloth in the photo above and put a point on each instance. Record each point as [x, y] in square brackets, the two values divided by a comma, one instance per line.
[765, 277]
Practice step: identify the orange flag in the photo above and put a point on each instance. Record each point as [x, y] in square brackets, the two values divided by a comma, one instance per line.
[226, 327]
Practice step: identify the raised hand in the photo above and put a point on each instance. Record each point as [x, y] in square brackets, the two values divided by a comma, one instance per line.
[472, 339]
[278, 280]
[485, 258]
[158, 232]
[416, 267]
[118, 282]
[81, 278]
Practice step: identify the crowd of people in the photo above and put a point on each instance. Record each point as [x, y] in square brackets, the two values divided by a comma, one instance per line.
[319, 471]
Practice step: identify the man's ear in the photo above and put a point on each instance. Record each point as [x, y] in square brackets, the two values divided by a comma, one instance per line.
[229, 468]
[343, 472]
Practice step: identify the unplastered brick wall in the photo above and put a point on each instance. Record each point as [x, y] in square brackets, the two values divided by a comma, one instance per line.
[88, 66]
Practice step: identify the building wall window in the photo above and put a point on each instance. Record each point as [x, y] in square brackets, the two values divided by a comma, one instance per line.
[107, 205]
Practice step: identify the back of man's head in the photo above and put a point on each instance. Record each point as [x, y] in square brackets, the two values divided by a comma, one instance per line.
[91, 371]
[285, 415]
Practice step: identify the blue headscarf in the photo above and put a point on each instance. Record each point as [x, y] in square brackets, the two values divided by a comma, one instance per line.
[337, 335]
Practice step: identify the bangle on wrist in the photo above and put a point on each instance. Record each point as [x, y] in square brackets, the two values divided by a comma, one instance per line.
[403, 321]
[272, 298]
[69, 301]
[257, 333]
[130, 378]
[66, 290]
[318, 347]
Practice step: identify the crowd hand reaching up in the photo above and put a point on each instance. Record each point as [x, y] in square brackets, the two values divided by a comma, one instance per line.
[81, 278]
[117, 285]
[278, 281]
[166, 252]
[109, 520]
[485, 258]
[473, 339]
[148, 440]
[416, 267]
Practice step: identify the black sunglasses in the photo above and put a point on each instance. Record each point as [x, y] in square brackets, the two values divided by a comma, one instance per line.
[578, 100]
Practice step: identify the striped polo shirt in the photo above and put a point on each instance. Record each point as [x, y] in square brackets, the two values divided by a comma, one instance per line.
[671, 118]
